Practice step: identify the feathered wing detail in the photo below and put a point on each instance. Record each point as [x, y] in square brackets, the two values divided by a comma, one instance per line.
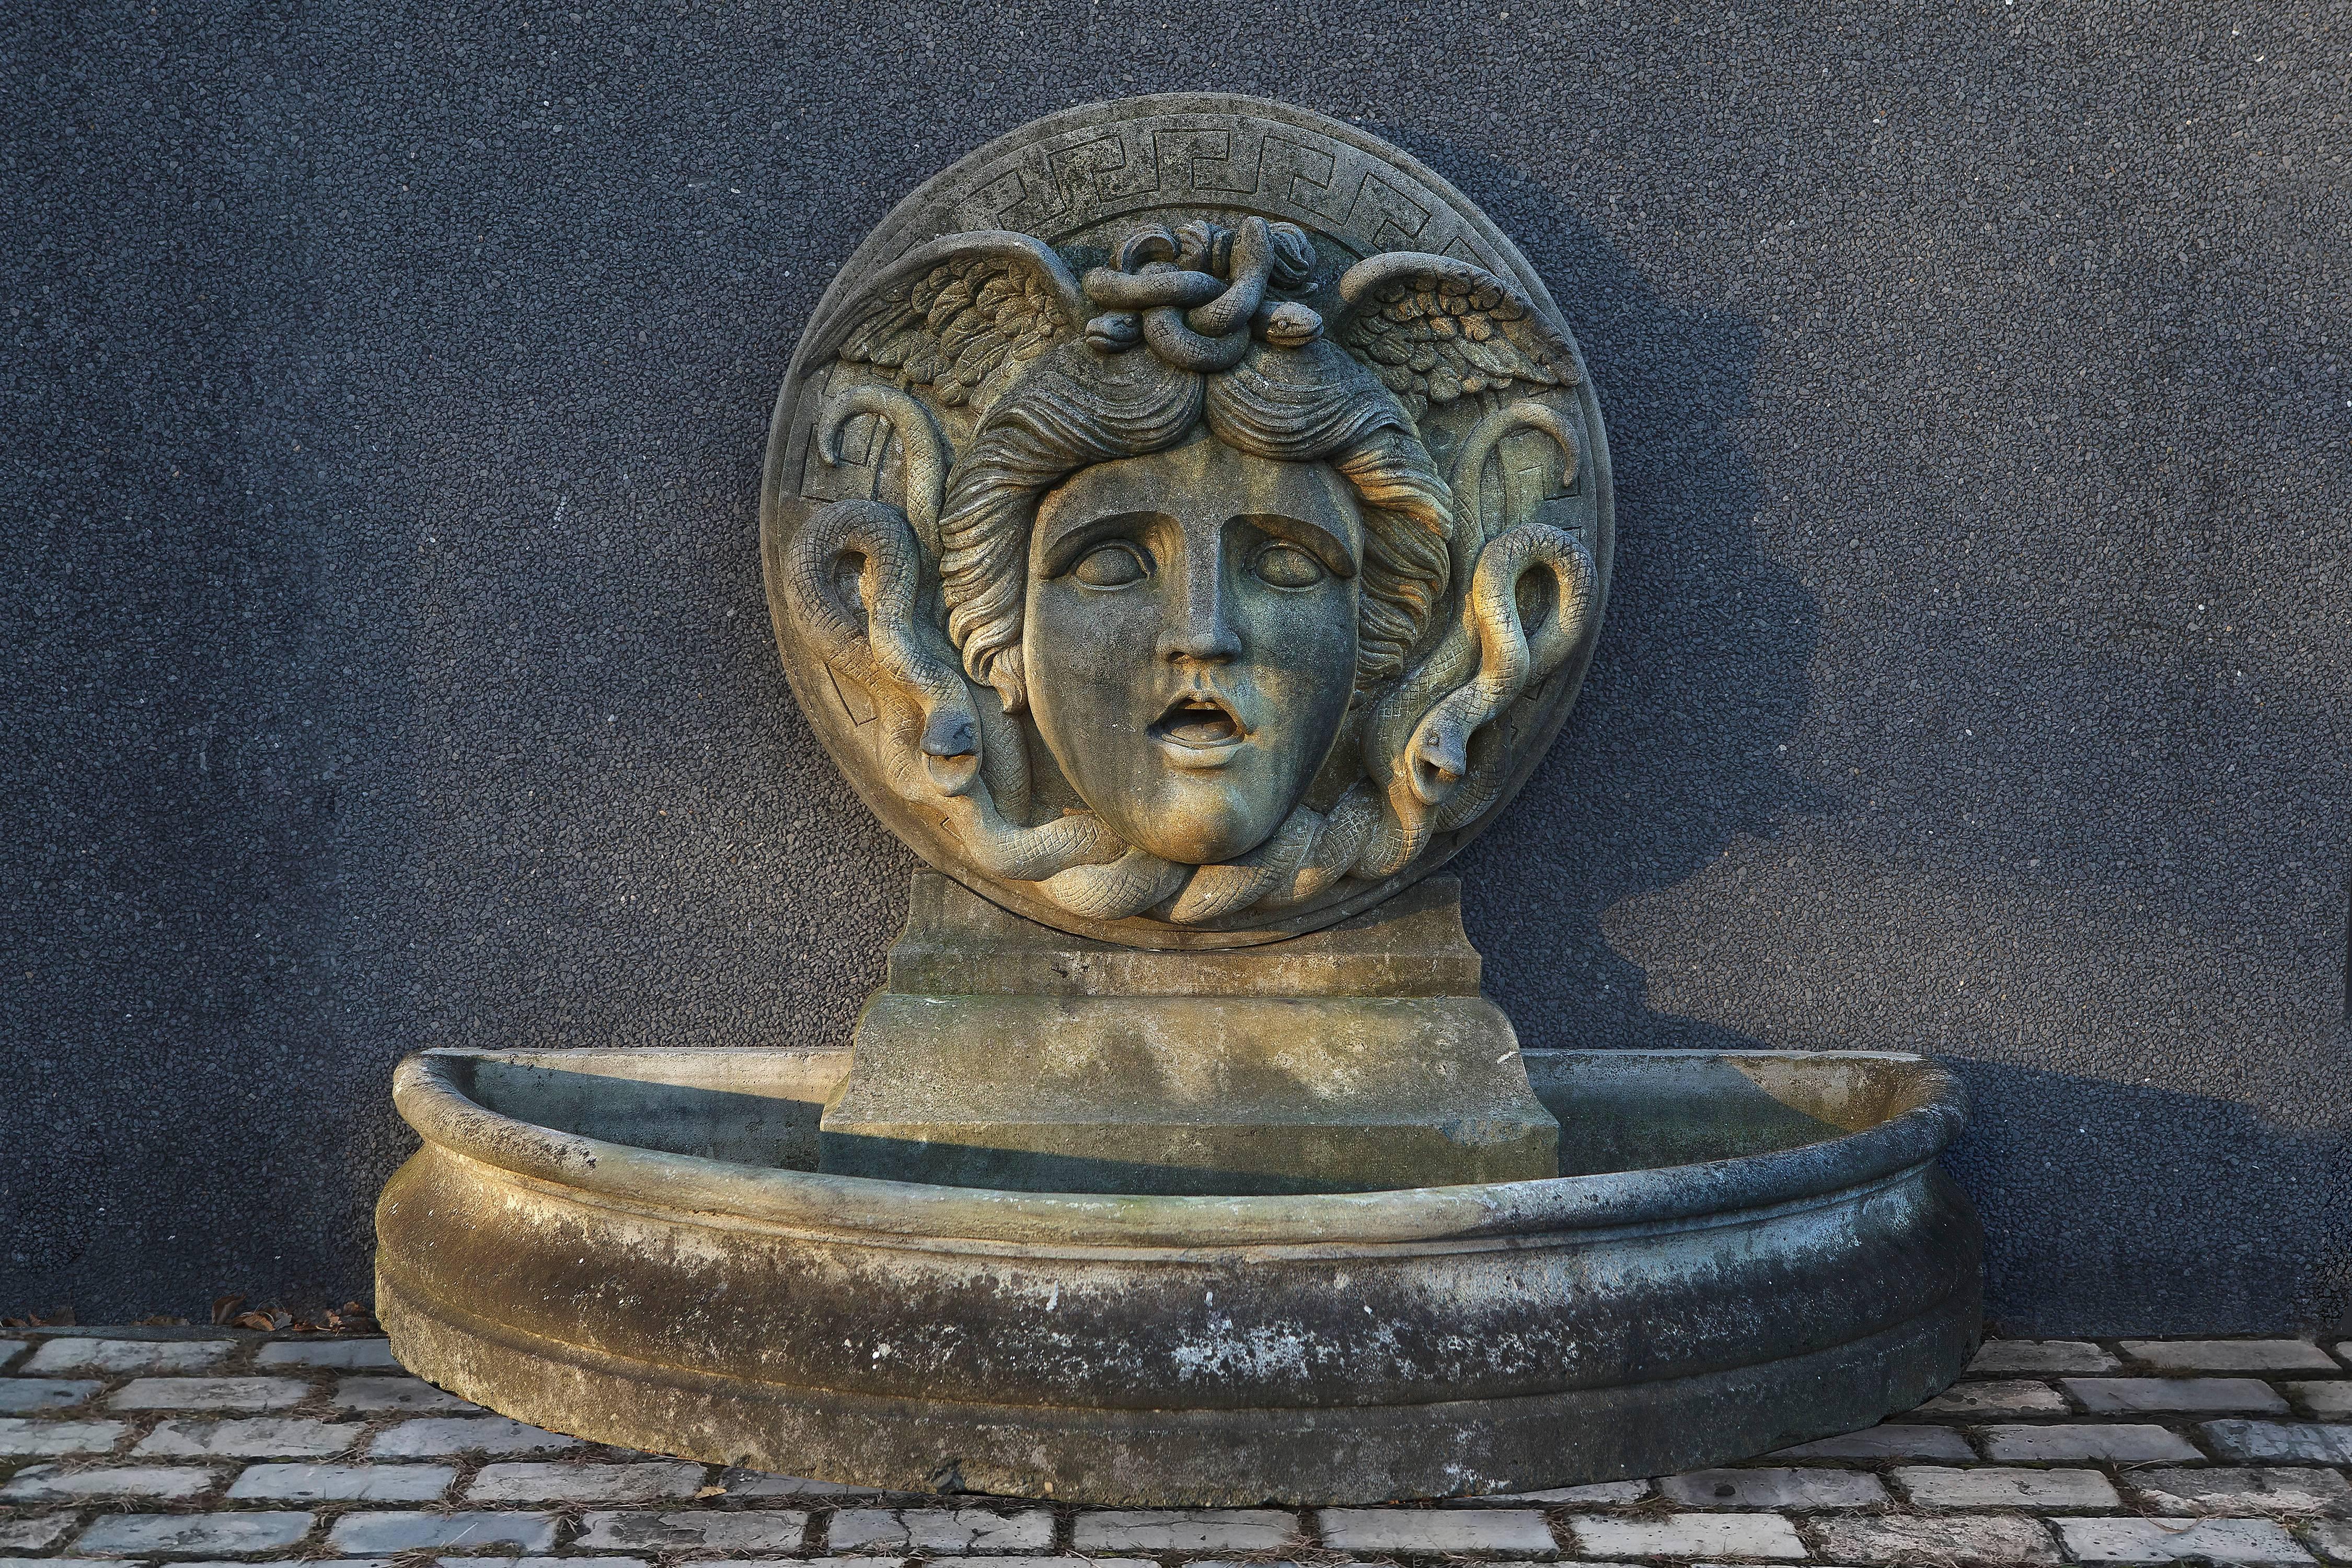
[1434, 329]
[947, 315]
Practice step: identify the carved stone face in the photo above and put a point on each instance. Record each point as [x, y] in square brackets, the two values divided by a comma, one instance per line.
[1189, 642]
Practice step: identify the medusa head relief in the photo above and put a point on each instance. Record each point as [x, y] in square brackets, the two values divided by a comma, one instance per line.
[1183, 573]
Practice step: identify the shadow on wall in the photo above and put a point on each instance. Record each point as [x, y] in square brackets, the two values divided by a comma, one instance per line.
[2127, 1148]
[1700, 679]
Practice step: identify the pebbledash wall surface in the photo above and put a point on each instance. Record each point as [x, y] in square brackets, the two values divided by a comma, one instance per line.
[388, 663]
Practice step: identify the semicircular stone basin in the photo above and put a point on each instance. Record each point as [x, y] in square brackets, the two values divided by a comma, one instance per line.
[1745, 1251]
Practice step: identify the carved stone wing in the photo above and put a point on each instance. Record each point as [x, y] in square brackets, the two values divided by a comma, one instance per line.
[1434, 329]
[947, 315]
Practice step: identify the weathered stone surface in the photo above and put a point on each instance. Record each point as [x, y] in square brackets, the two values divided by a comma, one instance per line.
[2332, 1539]
[2324, 1399]
[1890, 1440]
[1758, 1535]
[2039, 1356]
[344, 1483]
[436, 1436]
[2107, 1395]
[373, 1351]
[209, 1394]
[416, 1531]
[1515, 1532]
[35, 1531]
[1599, 1494]
[1242, 1082]
[2316, 1442]
[2224, 1489]
[187, 1534]
[2007, 1541]
[2008, 1396]
[409, 1393]
[748, 1531]
[19, 1395]
[249, 1437]
[1764, 1487]
[2209, 1541]
[55, 1483]
[119, 1356]
[2231, 1356]
[2121, 1443]
[1932, 1486]
[646, 1482]
[19, 1437]
[944, 1529]
[741, 1483]
[1186, 1530]
[10, 1350]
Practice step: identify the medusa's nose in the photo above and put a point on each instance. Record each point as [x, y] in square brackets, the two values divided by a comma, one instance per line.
[1198, 628]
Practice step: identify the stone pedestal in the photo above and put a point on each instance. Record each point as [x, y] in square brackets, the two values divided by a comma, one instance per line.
[1361, 1057]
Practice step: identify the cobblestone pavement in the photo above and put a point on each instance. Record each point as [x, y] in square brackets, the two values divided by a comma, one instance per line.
[179, 1448]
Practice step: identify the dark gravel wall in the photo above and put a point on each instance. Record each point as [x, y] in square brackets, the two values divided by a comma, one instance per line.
[388, 664]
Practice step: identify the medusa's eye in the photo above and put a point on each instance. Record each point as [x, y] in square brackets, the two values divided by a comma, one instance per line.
[1287, 566]
[1111, 566]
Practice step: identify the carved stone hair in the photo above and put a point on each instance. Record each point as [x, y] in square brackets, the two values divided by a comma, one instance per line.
[1080, 407]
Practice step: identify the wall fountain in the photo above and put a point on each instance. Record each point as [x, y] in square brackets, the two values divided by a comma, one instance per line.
[1187, 522]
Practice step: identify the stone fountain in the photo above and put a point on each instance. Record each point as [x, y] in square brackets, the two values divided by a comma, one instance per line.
[1187, 522]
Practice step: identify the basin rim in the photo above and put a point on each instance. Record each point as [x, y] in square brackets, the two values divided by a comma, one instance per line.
[430, 1095]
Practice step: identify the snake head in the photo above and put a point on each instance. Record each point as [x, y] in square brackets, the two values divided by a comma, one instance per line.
[1438, 760]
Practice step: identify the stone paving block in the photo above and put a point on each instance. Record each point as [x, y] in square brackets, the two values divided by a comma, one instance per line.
[209, 1394]
[417, 1531]
[1599, 1494]
[1995, 1396]
[1766, 1535]
[1187, 1529]
[540, 1562]
[328, 1353]
[1889, 1440]
[1934, 1486]
[186, 1534]
[22, 1438]
[1009, 1562]
[120, 1356]
[1515, 1532]
[2124, 1442]
[741, 1483]
[21, 1394]
[439, 1437]
[2214, 1540]
[2040, 1355]
[2231, 1356]
[406, 1394]
[2009, 1540]
[2316, 1442]
[1796, 1489]
[649, 1481]
[951, 1530]
[2225, 1490]
[58, 1483]
[2331, 1539]
[102, 1563]
[344, 1483]
[2134, 1395]
[34, 1531]
[249, 1437]
[10, 1350]
[780, 1530]
[2324, 1398]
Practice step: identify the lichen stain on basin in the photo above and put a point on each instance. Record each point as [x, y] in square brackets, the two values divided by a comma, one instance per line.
[1746, 1251]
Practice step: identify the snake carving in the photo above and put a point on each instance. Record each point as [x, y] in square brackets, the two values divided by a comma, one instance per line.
[966, 389]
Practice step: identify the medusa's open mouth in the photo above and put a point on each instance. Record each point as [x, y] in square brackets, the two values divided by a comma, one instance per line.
[1198, 730]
